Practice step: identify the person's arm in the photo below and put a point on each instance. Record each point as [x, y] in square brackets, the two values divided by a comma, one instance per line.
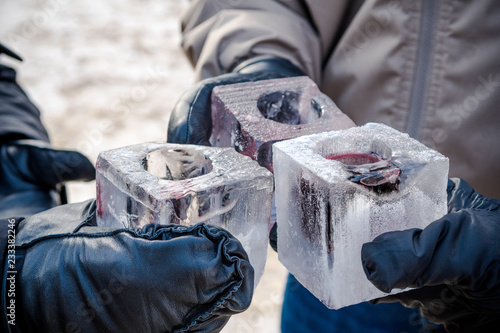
[239, 41]
[32, 173]
[218, 35]
[19, 117]
[246, 41]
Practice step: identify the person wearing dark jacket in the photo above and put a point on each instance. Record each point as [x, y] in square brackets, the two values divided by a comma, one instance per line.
[60, 272]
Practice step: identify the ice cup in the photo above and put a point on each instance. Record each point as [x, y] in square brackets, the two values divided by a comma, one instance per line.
[186, 184]
[251, 116]
[340, 189]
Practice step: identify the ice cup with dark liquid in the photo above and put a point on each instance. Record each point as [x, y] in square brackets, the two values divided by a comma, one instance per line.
[252, 116]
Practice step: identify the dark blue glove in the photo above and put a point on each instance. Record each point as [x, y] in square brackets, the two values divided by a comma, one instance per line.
[191, 120]
[71, 276]
[455, 263]
[31, 173]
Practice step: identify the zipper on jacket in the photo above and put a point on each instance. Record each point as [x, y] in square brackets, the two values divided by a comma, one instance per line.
[423, 66]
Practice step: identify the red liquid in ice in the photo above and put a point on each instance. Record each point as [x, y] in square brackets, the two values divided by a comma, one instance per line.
[370, 170]
[354, 158]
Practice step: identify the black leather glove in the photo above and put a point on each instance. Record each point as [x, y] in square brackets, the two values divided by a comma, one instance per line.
[31, 173]
[72, 276]
[191, 120]
[455, 263]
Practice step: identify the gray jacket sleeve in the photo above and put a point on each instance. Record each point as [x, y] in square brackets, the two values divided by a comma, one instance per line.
[219, 34]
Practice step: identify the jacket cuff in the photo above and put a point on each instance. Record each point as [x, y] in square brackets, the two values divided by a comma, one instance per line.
[268, 64]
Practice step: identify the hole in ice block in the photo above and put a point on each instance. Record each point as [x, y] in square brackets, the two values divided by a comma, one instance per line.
[177, 164]
[371, 170]
[285, 107]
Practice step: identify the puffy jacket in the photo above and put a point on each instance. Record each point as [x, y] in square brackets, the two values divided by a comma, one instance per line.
[429, 68]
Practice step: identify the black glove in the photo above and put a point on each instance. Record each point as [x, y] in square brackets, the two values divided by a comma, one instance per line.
[72, 276]
[31, 173]
[191, 120]
[455, 263]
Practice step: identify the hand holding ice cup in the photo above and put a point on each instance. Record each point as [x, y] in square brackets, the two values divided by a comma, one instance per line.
[165, 183]
[251, 117]
[335, 190]
[191, 121]
[72, 275]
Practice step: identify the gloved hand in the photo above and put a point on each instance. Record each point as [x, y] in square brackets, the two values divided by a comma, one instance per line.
[72, 276]
[31, 173]
[191, 121]
[455, 263]
[191, 118]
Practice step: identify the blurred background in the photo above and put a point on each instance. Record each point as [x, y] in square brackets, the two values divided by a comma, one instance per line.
[106, 74]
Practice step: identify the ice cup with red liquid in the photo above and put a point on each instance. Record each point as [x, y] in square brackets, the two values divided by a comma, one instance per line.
[337, 190]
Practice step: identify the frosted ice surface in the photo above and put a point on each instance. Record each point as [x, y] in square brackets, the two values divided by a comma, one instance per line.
[340, 189]
[184, 184]
[252, 116]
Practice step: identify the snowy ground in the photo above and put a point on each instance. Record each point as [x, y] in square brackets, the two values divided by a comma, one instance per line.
[106, 74]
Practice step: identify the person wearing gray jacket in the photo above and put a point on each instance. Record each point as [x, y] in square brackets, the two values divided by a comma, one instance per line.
[428, 68]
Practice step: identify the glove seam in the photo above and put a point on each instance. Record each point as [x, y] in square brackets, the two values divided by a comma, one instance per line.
[113, 233]
[219, 304]
[106, 234]
[72, 235]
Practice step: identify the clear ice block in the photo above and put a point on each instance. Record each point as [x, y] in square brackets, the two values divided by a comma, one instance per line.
[184, 184]
[252, 116]
[340, 189]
